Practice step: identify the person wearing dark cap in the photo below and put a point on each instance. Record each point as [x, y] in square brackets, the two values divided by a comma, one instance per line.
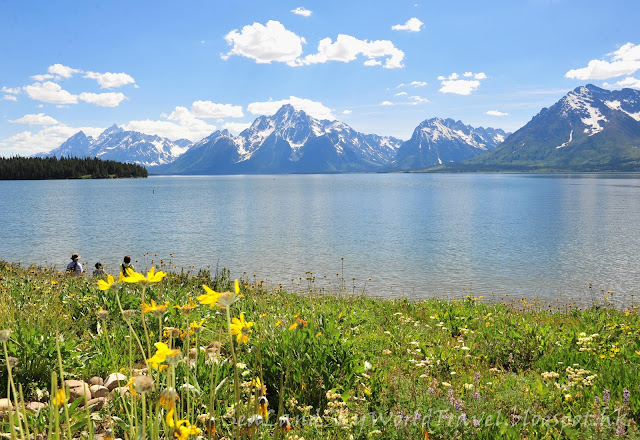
[99, 270]
[75, 267]
[126, 264]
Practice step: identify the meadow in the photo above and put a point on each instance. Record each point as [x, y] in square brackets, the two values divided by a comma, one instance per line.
[204, 356]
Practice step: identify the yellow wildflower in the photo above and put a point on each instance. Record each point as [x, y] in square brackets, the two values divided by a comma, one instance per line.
[134, 277]
[299, 324]
[277, 324]
[241, 328]
[59, 398]
[263, 405]
[196, 326]
[162, 352]
[210, 298]
[110, 283]
[155, 309]
[187, 308]
[167, 399]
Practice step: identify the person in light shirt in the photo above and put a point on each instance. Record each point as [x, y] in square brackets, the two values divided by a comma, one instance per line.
[75, 267]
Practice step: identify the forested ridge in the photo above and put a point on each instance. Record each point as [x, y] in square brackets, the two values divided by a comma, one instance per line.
[40, 168]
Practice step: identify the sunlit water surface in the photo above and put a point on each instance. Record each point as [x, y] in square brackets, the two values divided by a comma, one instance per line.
[414, 235]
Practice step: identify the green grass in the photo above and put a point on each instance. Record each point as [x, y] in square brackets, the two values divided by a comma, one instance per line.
[359, 368]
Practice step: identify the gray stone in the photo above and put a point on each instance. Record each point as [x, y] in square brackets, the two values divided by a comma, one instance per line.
[97, 403]
[35, 406]
[95, 380]
[115, 380]
[119, 390]
[80, 390]
[98, 391]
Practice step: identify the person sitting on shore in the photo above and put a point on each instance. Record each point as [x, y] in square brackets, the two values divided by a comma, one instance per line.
[99, 270]
[126, 264]
[75, 267]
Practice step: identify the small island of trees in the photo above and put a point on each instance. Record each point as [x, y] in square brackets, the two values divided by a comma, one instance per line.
[42, 168]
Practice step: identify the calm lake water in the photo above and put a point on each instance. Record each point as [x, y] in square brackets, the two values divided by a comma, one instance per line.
[414, 235]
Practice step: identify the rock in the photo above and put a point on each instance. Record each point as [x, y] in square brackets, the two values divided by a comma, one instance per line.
[5, 404]
[115, 380]
[98, 391]
[95, 380]
[192, 353]
[78, 389]
[119, 390]
[96, 403]
[35, 406]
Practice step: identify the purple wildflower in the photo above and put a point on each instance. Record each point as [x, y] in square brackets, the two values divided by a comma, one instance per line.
[458, 405]
[621, 430]
[476, 422]
[510, 357]
[626, 395]
[597, 400]
[476, 396]
[430, 390]
[476, 377]
[463, 417]
[606, 397]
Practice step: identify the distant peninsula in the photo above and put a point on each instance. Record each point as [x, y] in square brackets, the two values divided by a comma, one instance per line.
[46, 168]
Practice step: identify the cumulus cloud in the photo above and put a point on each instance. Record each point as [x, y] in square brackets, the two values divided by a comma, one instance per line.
[373, 63]
[211, 110]
[63, 71]
[110, 80]
[236, 127]
[418, 83]
[35, 119]
[347, 48]
[302, 11]
[50, 92]
[41, 78]
[412, 25]
[497, 113]
[13, 91]
[27, 143]
[452, 83]
[9, 98]
[111, 99]
[314, 109]
[629, 81]
[179, 124]
[624, 61]
[346, 112]
[386, 103]
[265, 43]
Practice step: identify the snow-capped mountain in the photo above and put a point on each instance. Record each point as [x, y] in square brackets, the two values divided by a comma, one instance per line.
[439, 141]
[124, 146]
[589, 129]
[290, 141]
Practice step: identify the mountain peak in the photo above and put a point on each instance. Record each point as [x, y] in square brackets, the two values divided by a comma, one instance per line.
[112, 130]
[287, 112]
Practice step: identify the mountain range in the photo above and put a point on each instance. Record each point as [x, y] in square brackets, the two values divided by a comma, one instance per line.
[123, 146]
[589, 129]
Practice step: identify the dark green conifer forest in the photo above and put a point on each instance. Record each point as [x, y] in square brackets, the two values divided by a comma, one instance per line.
[41, 168]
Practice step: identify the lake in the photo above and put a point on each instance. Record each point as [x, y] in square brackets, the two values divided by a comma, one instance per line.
[413, 235]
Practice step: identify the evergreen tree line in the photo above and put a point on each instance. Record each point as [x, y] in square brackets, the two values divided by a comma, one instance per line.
[40, 168]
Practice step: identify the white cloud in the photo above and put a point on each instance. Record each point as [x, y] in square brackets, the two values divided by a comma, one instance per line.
[9, 98]
[180, 124]
[312, 108]
[111, 99]
[209, 110]
[302, 11]
[236, 127]
[624, 61]
[13, 91]
[35, 119]
[418, 100]
[41, 78]
[265, 44]
[63, 71]
[372, 63]
[386, 103]
[27, 143]
[401, 94]
[497, 113]
[346, 112]
[50, 92]
[412, 25]
[110, 80]
[347, 48]
[452, 84]
[418, 83]
[629, 81]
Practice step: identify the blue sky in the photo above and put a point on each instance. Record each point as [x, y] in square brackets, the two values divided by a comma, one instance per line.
[185, 69]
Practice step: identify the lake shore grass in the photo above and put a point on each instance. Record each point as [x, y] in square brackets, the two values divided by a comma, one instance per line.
[337, 366]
